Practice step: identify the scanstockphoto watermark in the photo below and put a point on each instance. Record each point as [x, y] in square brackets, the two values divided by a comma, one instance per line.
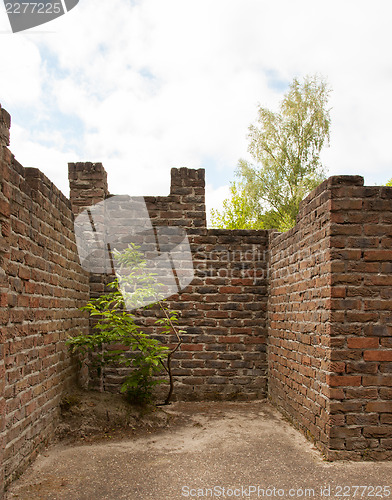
[105, 230]
[247, 263]
[324, 491]
[110, 228]
[24, 15]
[247, 492]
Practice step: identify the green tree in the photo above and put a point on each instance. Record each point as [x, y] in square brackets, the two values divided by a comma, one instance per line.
[389, 183]
[238, 211]
[286, 147]
[116, 338]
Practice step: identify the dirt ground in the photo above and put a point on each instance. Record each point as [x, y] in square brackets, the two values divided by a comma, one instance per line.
[188, 450]
[90, 416]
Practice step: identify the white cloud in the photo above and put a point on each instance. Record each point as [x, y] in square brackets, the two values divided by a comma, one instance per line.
[21, 71]
[215, 199]
[176, 83]
[51, 161]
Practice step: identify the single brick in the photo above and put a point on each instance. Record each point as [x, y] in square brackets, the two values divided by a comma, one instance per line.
[362, 342]
[343, 380]
[379, 406]
[377, 355]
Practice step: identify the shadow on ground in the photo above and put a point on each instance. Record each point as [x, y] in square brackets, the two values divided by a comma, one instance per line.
[199, 450]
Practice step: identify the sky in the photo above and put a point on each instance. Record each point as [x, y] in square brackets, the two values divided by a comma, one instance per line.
[146, 85]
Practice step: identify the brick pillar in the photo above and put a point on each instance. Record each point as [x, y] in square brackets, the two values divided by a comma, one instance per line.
[188, 185]
[5, 160]
[88, 184]
[359, 377]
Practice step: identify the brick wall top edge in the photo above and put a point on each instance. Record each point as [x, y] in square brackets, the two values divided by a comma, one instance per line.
[5, 117]
[82, 170]
[156, 199]
[328, 184]
[276, 237]
[18, 167]
[238, 232]
[345, 180]
[313, 194]
[32, 175]
[186, 177]
[151, 199]
[315, 201]
[194, 173]
[5, 124]
[85, 165]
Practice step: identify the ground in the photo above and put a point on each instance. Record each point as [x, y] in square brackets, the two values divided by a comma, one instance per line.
[189, 450]
[90, 416]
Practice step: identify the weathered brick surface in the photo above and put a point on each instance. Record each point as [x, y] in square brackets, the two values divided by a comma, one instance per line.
[223, 310]
[325, 286]
[332, 274]
[185, 205]
[88, 186]
[4, 257]
[361, 246]
[5, 124]
[313, 305]
[42, 287]
[299, 316]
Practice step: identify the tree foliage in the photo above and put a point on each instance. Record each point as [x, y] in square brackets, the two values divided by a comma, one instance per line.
[238, 211]
[286, 148]
[116, 338]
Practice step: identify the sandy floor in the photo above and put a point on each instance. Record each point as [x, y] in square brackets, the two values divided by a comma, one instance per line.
[205, 450]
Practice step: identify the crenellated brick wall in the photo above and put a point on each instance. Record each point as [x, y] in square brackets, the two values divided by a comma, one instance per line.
[330, 313]
[42, 287]
[305, 315]
[185, 205]
[223, 310]
[361, 321]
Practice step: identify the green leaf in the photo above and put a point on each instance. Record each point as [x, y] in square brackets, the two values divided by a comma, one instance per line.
[285, 147]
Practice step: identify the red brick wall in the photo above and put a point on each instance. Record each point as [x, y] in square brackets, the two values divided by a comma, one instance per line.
[360, 384]
[318, 298]
[299, 295]
[223, 310]
[42, 287]
[224, 314]
[330, 313]
[4, 255]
